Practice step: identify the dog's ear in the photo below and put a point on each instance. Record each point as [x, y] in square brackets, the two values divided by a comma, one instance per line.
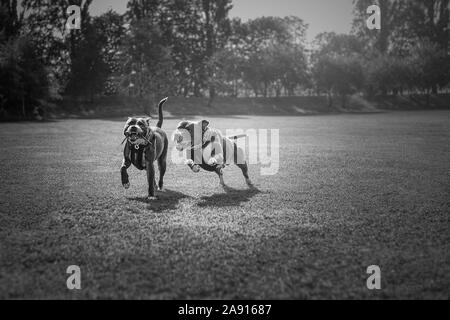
[183, 125]
[125, 128]
[129, 121]
[205, 124]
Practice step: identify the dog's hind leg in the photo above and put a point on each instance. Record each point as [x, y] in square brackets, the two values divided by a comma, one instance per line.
[242, 164]
[162, 166]
[125, 165]
[219, 171]
[244, 168]
[151, 179]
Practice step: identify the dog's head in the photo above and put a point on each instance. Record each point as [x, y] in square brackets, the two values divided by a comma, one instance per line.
[137, 130]
[189, 134]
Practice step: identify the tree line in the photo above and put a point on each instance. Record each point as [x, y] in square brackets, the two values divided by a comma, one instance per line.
[194, 48]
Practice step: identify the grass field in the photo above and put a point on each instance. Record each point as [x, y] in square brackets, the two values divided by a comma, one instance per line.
[352, 191]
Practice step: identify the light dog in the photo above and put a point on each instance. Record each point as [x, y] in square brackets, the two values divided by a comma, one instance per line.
[207, 149]
[145, 145]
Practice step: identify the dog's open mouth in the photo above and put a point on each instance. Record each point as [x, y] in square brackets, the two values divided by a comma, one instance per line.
[133, 137]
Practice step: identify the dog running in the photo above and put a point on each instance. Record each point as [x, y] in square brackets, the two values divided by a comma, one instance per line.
[207, 149]
[144, 146]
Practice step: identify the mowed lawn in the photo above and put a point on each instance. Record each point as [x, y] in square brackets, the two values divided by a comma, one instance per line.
[352, 191]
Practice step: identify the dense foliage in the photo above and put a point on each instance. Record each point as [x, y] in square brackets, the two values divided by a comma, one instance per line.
[193, 48]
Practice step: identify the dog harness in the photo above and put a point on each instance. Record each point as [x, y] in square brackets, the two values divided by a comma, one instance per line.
[137, 152]
[206, 166]
[138, 156]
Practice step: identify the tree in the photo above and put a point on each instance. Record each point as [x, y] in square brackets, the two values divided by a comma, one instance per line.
[193, 32]
[340, 75]
[148, 67]
[273, 55]
[46, 25]
[337, 61]
[327, 43]
[111, 34]
[217, 30]
[293, 68]
[11, 20]
[406, 26]
[428, 19]
[430, 65]
[228, 72]
[23, 78]
[392, 17]
[89, 69]
[387, 73]
[175, 26]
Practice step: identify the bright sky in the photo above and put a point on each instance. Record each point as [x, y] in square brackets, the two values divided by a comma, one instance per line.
[321, 15]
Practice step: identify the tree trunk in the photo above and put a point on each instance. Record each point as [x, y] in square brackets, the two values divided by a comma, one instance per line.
[386, 16]
[212, 92]
[23, 107]
[344, 100]
[434, 89]
[278, 92]
[207, 5]
[330, 99]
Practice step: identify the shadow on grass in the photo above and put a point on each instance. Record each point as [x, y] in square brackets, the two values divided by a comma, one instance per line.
[231, 198]
[167, 200]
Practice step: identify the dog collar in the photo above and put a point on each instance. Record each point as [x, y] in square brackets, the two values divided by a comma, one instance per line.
[138, 145]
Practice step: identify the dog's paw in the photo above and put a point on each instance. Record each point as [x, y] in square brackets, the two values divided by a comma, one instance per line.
[249, 183]
[196, 168]
[212, 162]
[126, 186]
[152, 198]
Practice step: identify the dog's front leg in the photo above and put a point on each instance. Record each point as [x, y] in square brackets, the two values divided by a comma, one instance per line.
[150, 157]
[151, 180]
[194, 167]
[125, 165]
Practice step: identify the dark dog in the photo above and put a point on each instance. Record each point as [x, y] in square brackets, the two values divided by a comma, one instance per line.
[209, 150]
[145, 145]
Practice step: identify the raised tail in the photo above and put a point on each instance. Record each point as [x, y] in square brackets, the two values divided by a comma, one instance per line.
[160, 111]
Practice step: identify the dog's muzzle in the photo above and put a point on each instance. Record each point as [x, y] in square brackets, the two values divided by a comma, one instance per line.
[135, 136]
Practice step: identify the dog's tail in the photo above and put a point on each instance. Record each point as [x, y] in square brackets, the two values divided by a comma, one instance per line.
[160, 112]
